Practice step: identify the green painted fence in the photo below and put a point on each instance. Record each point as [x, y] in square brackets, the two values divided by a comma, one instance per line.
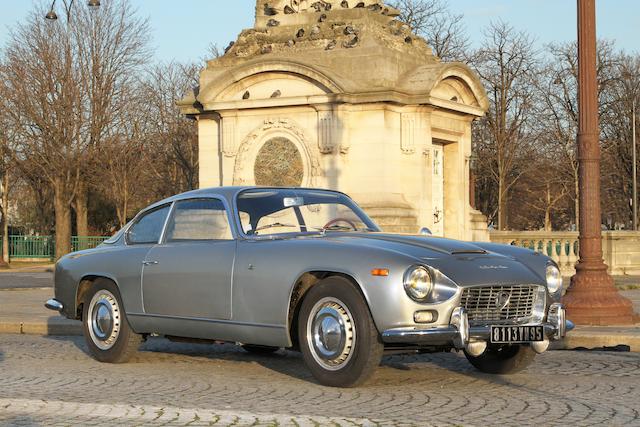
[80, 243]
[43, 247]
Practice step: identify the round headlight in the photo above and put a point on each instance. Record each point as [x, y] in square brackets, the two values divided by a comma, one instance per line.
[418, 283]
[554, 279]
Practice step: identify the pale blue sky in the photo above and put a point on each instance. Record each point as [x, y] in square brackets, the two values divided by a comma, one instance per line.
[184, 28]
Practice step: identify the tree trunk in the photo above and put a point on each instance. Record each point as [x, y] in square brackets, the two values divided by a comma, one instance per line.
[80, 206]
[63, 220]
[502, 205]
[5, 219]
[547, 211]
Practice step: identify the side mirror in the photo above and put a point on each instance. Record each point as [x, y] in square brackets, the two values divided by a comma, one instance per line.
[425, 231]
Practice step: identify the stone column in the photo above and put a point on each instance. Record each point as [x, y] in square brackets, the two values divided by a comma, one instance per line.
[592, 298]
[209, 151]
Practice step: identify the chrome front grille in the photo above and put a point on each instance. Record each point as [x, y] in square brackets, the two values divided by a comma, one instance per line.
[499, 304]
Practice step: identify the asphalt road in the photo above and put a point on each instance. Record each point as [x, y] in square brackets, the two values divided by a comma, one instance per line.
[52, 381]
[24, 280]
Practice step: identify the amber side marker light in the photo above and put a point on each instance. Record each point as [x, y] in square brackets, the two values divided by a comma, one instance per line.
[380, 272]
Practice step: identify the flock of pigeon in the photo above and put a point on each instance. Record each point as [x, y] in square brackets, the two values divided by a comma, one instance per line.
[323, 6]
[273, 8]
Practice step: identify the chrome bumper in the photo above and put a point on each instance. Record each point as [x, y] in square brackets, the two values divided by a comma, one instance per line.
[54, 304]
[459, 333]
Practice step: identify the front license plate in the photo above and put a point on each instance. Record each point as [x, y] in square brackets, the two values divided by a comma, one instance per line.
[516, 334]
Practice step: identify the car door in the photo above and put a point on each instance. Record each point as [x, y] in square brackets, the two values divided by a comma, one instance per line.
[189, 274]
[140, 237]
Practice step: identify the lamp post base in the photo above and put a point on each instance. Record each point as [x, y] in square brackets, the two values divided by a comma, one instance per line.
[593, 299]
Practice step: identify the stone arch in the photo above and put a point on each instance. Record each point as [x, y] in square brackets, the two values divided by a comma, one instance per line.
[457, 77]
[243, 173]
[262, 85]
[213, 91]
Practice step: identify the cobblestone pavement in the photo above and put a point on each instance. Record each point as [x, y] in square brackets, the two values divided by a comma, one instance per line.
[52, 381]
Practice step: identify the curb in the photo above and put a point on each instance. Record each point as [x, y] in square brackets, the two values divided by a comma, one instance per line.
[599, 337]
[54, 326]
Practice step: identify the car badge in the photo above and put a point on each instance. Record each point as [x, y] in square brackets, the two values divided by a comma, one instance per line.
[493, 267]
[502, 300]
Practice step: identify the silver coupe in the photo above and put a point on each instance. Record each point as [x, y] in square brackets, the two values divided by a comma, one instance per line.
[307, 269]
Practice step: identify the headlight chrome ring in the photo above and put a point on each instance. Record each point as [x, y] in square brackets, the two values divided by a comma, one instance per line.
[554, 279]
[418, 283]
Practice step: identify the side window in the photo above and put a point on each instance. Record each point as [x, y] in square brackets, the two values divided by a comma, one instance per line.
[149, 227]
[199, 219]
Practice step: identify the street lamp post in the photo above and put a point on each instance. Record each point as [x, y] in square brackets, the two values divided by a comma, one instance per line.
[592, 298]
[635, 164]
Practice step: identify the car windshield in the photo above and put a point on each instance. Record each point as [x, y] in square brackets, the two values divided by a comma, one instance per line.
[278, 211]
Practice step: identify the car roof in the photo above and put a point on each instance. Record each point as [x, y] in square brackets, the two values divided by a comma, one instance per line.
[227, 193]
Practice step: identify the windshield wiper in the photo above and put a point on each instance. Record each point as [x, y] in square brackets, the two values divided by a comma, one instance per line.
[337, 227]
[274, 225]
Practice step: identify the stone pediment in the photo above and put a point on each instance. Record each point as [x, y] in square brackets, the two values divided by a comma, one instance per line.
[341, 51]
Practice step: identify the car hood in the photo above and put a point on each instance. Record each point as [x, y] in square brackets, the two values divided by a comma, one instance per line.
[464, 262]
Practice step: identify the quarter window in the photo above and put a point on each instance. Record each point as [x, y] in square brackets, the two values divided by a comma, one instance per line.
[199, 219]
[149, 227]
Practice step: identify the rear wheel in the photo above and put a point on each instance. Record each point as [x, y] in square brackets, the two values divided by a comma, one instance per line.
[106, 329]
[503, 360]
[338, 339]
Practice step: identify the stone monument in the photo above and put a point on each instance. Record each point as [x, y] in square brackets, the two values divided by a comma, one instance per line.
[340, 94]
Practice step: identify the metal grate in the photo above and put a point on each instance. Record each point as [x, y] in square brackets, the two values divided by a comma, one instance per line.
[487, 303]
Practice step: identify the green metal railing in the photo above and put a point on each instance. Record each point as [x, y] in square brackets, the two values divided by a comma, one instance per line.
[43, 247]
[80, 243]
[31, 247]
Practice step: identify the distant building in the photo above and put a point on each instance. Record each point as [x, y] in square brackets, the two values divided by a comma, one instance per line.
[330, 94]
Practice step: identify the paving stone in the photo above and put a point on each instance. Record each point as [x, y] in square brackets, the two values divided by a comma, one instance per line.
[193, 384]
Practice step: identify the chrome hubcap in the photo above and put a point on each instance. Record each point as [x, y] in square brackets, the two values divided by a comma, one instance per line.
[104, 318]
[331, 333]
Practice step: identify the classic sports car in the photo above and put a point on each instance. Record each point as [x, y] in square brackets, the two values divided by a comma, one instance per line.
[306, 269]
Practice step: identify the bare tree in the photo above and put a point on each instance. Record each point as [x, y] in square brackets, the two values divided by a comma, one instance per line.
[63, 79]
[557, 85]
[617, 139]
[112, 47]
[172, 140]
[6, 169]
[45, 102]
[432, 19]
[121, 175]
[506, 64]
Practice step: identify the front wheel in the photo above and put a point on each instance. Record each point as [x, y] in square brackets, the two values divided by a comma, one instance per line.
[338, 339]
[503, 360]
[106, 329]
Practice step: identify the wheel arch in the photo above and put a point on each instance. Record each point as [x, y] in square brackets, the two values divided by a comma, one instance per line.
[84, 284]
[301, 287]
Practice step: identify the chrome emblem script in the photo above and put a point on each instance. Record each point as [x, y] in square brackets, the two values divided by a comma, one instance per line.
[502, 300]
[493, 267]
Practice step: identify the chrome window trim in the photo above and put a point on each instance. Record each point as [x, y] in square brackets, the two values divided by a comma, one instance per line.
[166, 222]
[137, 218]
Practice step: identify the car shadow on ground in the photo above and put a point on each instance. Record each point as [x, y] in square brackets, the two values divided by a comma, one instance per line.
[398, 369]
[159, 349]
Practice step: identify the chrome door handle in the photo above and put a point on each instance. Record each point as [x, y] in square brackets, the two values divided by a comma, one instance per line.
[150, 263]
